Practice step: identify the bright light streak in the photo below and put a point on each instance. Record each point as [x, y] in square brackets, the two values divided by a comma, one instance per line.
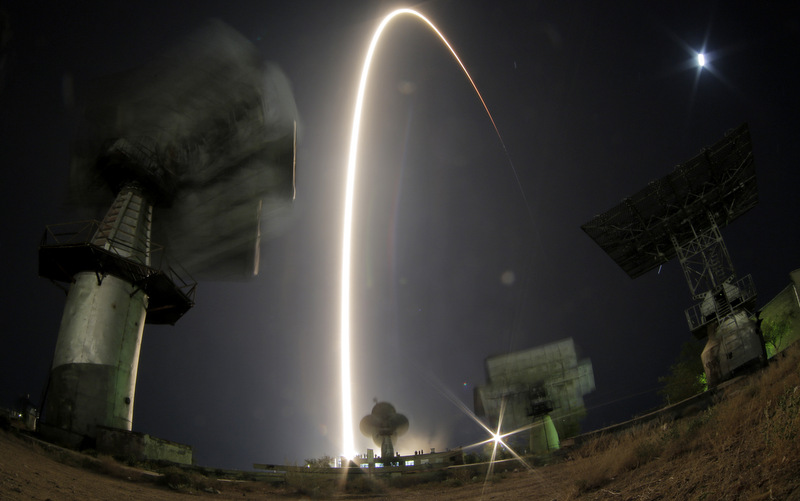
[348, 443]
[495, 437]
[701, 59]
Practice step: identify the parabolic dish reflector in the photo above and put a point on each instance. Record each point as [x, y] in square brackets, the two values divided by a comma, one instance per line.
[720, 182]
[383, 421]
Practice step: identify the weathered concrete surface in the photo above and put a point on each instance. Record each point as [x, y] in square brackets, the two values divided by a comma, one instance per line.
[141, 447]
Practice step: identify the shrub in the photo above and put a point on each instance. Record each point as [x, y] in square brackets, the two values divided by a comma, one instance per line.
[183, 480]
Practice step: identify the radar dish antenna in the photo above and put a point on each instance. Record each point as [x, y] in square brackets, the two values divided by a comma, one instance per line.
[384, 425]
[680, 215]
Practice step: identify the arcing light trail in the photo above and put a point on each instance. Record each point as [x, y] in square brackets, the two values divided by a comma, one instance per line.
[348, 442]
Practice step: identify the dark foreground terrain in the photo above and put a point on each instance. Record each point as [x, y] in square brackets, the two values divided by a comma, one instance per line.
[747, 446]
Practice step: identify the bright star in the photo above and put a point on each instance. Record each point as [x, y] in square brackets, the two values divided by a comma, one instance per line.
[701, 59]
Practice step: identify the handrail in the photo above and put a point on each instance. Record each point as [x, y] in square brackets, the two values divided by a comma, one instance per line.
[83, 232]
[747, 292]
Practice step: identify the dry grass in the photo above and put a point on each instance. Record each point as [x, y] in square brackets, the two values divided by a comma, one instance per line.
[188, 481]
[744, 447]
[310, 485]
[325, 483]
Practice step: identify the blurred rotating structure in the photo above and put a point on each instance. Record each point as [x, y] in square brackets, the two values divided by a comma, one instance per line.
[195, 150]
[539, 391]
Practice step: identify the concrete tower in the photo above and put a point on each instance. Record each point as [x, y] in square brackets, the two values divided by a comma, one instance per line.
[93, 376]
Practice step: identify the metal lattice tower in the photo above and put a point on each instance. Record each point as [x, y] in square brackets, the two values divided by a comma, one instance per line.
[680, 215]
[712, 280]
[127, 226]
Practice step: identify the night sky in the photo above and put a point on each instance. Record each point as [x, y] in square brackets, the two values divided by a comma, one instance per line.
[454, 260]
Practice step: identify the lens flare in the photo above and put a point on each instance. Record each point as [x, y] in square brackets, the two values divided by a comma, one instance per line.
[348, 443]
[496, 437]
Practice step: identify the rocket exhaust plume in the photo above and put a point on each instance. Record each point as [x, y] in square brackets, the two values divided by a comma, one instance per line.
[348, 444]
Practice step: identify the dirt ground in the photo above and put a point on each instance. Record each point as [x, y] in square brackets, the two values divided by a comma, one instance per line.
[29, 472]
[746, 447]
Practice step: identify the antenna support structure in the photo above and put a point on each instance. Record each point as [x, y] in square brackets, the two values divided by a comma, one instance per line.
[202, 140]
[114, 291]
[681, 216]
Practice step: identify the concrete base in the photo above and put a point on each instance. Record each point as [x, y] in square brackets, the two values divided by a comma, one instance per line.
[82, 396]
[64, 438]
[141, 447]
